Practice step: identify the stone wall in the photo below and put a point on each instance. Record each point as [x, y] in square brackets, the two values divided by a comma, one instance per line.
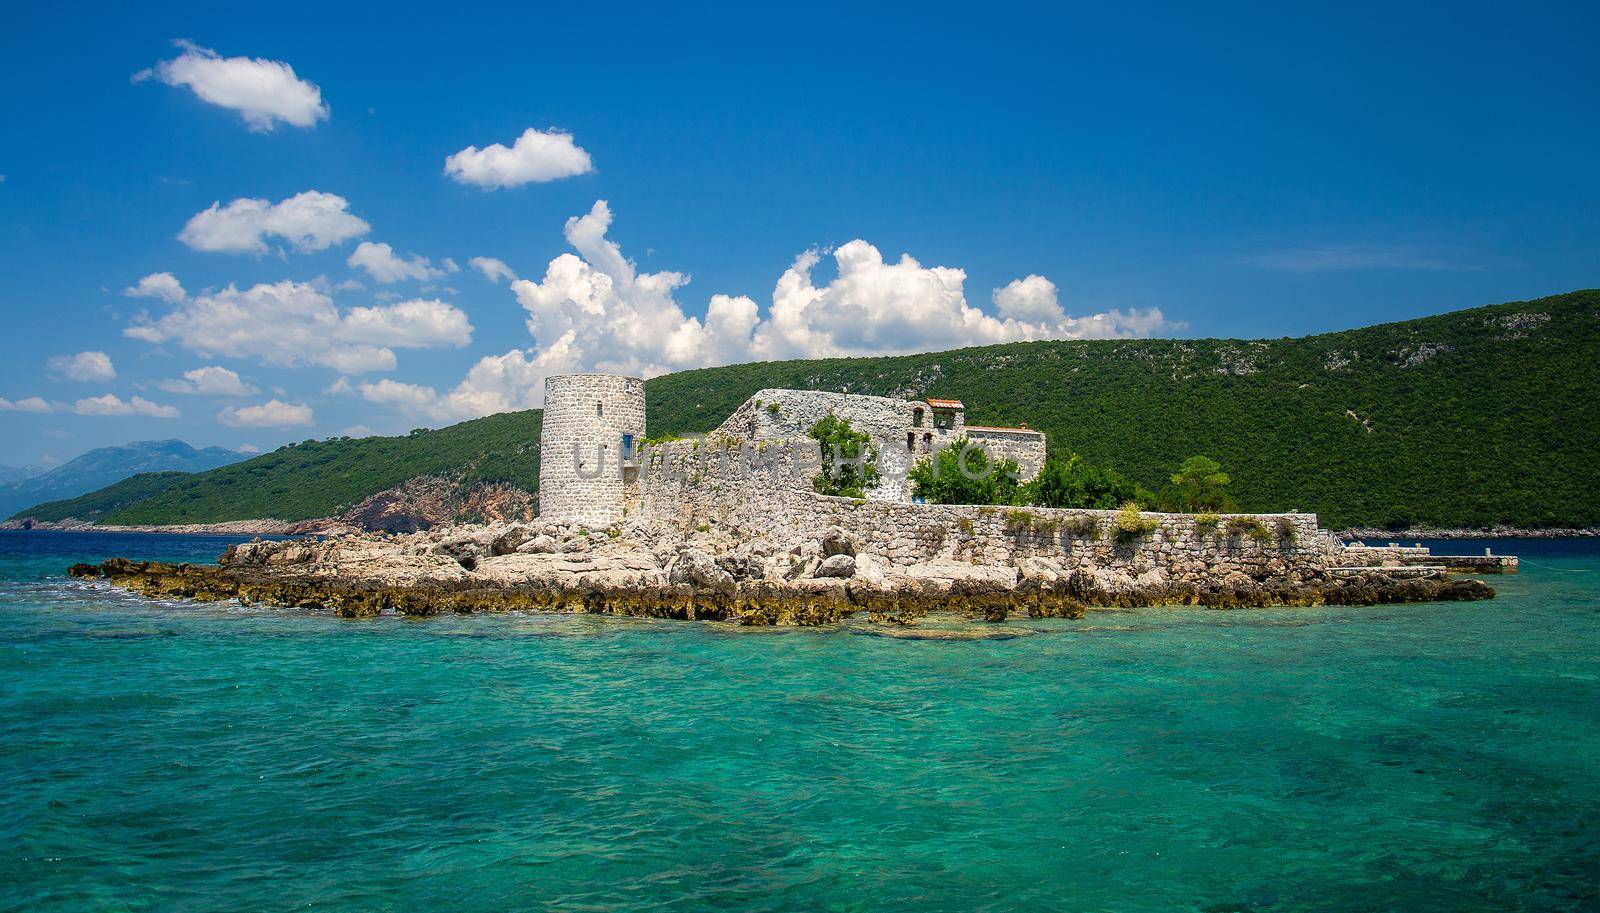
[787, 416]
[1026, 447]
[767, 493]
[587, 417]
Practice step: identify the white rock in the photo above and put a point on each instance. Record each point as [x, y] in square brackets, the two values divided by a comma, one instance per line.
[836, 566]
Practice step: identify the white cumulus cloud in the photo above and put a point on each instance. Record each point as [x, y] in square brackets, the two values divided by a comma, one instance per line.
[1032, 298]
[416, 324]
[293, 323]
[111, 404]
[26, 404]
[382, 265]
[309, 221]
[594, 311]
[494, 270]
[211, 380]
[263, 92]
[535, 157]
[157, 285]
[273, 413]
[497, 383]
[84, 366]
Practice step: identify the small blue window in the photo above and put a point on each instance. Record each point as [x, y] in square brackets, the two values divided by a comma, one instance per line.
[627, 446]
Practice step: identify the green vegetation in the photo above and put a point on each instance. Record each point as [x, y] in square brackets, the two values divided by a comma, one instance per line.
[1249, 527]
[1474, 418]
[97, 504]
[1130, 524]
[965, 473]
[1286, 533]
[847, 458]
[1081, 527]
[1199, 484]
[1071, 482]
[324, 478]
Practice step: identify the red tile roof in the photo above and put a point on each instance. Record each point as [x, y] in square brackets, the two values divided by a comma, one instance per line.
[946, 404]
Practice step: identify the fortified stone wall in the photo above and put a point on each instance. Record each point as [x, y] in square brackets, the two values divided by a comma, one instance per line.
[775, 415]
[787, 416]
[1026, 447]
[691, 484]
[587, 418]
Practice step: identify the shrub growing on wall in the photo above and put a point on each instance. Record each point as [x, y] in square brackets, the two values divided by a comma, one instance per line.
[848, 459]
[965, 473]
[1131, 524]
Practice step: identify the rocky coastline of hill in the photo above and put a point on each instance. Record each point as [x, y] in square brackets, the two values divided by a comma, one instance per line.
[325, 526]
[1374, 534]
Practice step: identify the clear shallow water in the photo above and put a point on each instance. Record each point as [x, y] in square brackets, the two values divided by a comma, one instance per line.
[202, 758]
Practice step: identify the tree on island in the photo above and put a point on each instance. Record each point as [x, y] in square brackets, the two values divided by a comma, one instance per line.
[1198, 485]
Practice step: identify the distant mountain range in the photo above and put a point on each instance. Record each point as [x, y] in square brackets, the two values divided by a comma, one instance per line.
[1477, 418]
[105, 466]
[10, 474]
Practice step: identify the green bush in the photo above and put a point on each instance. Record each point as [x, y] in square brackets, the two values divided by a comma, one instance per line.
[1130, 524]
[1019, 519]
[1286, 533]
[1249, 527]
[940, 479]
[1072, 482]
[1081, 526]
[855, 471]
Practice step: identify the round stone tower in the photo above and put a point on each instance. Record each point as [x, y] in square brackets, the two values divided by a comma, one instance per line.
[593, 426]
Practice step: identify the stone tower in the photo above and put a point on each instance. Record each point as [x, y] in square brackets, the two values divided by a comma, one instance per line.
[593, 426]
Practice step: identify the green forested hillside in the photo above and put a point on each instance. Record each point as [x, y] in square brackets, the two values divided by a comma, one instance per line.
[321, 478]
[97, 504]
[1472, 418]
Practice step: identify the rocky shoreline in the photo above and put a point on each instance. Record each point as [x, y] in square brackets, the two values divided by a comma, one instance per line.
[331, 526]
[638, 570]
[1494, 532]
[318, 527]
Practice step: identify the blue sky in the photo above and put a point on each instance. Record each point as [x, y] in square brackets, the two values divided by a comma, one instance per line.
[1232, 170]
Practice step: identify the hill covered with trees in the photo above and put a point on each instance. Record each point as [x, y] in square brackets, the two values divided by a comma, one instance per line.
[1474, 418]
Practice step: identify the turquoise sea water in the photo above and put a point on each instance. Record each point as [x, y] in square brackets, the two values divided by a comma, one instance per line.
[205, 758]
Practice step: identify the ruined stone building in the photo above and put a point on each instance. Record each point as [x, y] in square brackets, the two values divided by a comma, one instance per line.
[594, 425]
